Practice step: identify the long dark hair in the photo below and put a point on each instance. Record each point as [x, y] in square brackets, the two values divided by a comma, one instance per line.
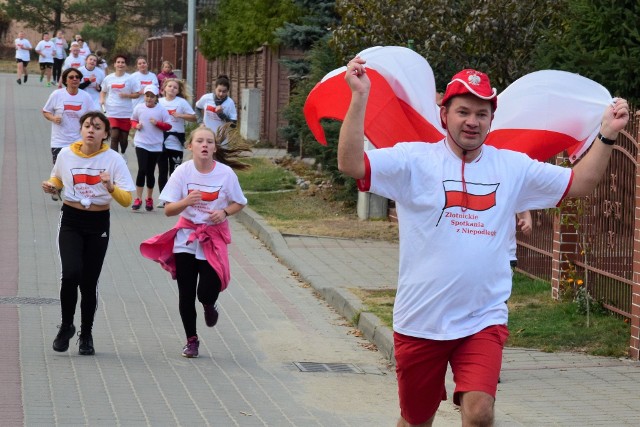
[230, 153]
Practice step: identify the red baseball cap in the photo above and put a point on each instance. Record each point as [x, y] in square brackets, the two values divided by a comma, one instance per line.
[471, 82]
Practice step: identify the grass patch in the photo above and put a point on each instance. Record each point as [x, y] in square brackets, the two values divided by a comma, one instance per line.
[536, 321]
[272, 192]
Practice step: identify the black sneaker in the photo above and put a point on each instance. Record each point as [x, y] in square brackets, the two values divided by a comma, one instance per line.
[210, 314]
[86, 344]
[65, 333]
[25, 78]
[19, 81]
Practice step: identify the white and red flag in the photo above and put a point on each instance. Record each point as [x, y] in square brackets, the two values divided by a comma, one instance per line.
[541, 114]
[86, 176]
[209, 192]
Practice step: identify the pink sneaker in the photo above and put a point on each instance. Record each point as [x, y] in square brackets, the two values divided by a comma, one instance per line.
[148, 204]
[136, 204]
[190, 350]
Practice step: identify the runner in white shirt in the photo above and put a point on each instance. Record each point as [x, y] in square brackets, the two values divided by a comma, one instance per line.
[115, 98]
[151, 120]
[180, 111]
[74, 60]
[23, 56]
[92, 79]
[45, 49]
[84, 46]
[144, 78]
[218, 108]
[61, 47]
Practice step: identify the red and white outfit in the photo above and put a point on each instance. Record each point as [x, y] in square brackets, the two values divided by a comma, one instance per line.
[176, 105]
[70, 108]
[143, 80]
[23, 47]
[46, 50]
[73, 62]
[454, 274]
[95, 76]
[211, 119]
[150, 137]
[112, 85]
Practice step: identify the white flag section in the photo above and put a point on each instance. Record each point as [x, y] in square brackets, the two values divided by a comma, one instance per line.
[546, 112]
[401, 103]
[541, 114]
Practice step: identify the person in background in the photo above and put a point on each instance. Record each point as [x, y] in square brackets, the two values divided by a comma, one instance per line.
[74, 60]
[63, 109]
[177, 102]
[93, 77]
[92, 175]
[61, 47]
[23, 56]
[143, 78]
[204, 192]
[524, 224]
[102, 63]
[45, 49]
[455, 227]
[150, 120]
[84, 46]
[217, 108]
[166, 72]
[115, 99]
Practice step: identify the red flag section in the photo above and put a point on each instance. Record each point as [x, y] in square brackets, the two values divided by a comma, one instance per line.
[478, 197]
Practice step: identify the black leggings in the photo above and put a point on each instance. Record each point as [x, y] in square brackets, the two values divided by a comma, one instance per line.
[57, 69]
[207, 288]
[147, 161]
[168, 161]
[83, 238]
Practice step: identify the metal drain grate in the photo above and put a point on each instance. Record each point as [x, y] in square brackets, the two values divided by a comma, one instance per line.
[29, 300]
[345, 368]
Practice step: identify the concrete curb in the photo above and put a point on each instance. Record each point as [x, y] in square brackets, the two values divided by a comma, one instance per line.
[342, 300]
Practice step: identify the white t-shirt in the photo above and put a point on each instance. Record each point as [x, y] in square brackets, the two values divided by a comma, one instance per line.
[81, 175]
[454, 275]
[219, 188]
[73, 62]
[84, 50]
[45, 50]
[176, 105]
[71, 108]
[97, 75]
[22, 49]
[60, 44]
[143, 80]
[210, 117]
[112, 85]
[150, 137]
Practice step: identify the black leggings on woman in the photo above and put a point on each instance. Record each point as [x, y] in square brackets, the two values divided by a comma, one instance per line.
[147, 161]
[83, 237]
[168, 162]
[206, 288]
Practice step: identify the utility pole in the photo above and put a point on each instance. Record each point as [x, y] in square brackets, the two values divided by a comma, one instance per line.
[191, 43]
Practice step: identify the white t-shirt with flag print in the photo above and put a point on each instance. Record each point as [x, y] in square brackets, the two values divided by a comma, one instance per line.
[71, 108]
[150, 137]
[81, 175]
[23, 47]
[142, 81]
[219, 188]
[454, 274]
[46, 51]
[210, 117]
[98, 76]
[176, 105]
[113, 85]
[73, 62]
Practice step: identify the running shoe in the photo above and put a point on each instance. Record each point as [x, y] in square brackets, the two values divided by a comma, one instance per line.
[19, 81]
[65, 333]
[160, 205]
[48, 84]
[210, 314]
[136, 204]
[25, 78]
[148, 204]
[86, 344]
[41, 78]
[190, 350]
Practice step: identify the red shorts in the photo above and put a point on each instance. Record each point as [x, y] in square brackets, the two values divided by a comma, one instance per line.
[122, 124]
[421, 366]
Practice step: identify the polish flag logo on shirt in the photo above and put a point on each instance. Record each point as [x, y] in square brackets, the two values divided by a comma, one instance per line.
[75, 65]
[117, 86]
[209, 192]
[86, 176]
[145, 83]
[477, 197]
[211, 108]
[72, 106]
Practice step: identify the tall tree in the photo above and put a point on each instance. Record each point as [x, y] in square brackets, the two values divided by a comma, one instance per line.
[42, 15]
[601, 40]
